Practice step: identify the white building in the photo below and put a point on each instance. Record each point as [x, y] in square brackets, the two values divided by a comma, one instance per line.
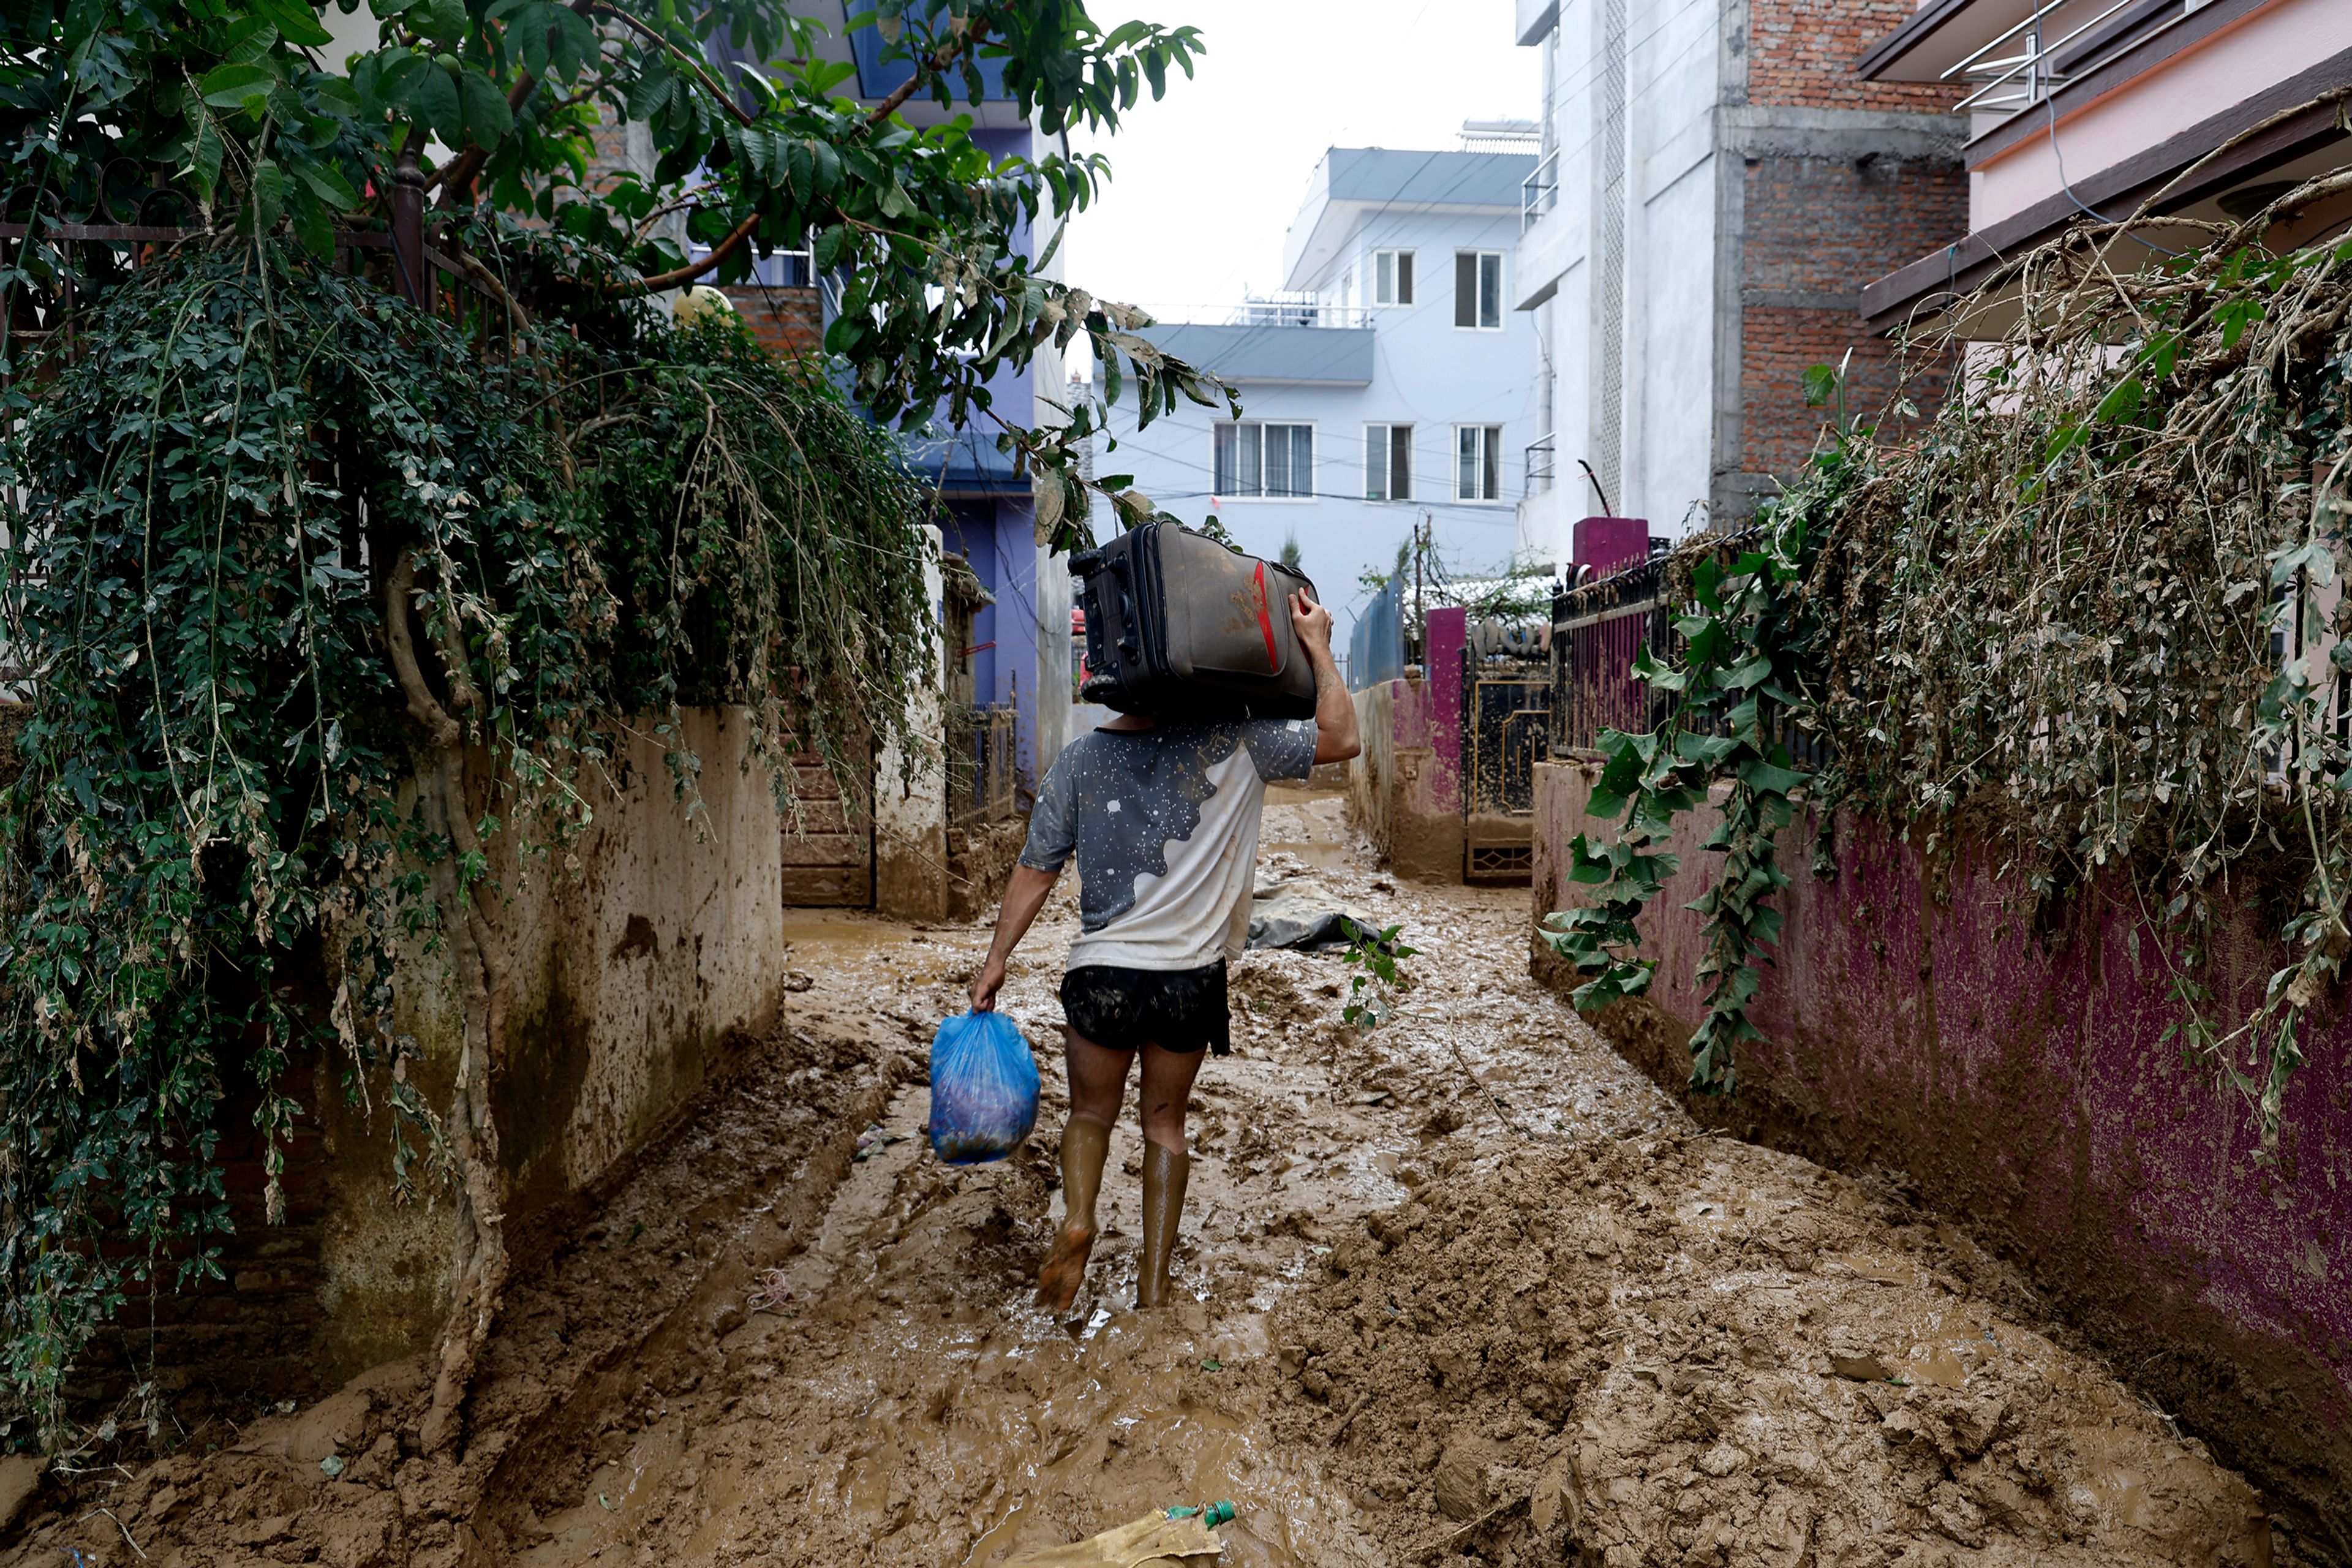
[1717, 183]
[1390, 379]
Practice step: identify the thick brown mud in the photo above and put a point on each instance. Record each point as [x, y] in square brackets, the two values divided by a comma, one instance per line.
[1468, 1288]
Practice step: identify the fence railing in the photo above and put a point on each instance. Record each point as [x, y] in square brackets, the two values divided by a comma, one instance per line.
[1540, 192]
[1541, 455]
[1300, 309]
[1599, 629]
[983, 753]
[2017, 80]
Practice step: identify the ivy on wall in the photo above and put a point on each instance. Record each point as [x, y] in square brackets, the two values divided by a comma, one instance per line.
[2099, 591]
[281, 546]
[329, 604]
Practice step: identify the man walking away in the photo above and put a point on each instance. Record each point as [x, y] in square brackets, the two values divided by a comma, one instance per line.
[1163, 816]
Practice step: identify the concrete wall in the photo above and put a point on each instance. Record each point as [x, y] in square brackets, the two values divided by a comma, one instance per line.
[910, 792]
[1921, 1015]
[1372, 772]
[637, 950]
[1752, 183]
[1405, 790]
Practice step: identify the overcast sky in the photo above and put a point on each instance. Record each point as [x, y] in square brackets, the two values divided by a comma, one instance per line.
[1205, 181]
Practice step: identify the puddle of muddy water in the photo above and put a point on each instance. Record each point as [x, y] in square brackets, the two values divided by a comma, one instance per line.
[1312, 827]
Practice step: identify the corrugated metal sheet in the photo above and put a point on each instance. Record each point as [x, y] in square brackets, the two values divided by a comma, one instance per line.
[1376, 644]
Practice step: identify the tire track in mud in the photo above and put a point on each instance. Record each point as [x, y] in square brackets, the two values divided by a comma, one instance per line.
[1468, 1288]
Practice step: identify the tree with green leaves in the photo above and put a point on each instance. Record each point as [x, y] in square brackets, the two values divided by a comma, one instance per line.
[331, 606]
[228, 114]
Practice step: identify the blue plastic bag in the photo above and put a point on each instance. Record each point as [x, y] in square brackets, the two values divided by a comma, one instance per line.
[984, 1089]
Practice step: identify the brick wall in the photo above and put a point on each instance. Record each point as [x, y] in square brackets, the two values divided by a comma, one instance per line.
[1801, 53]
[220, 1348]
[1829, 206]
[784, 321]
[611, 156]
[1816, 230]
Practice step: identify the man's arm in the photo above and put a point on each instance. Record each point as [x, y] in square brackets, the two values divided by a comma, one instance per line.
[1024, 895]
[1335, 711]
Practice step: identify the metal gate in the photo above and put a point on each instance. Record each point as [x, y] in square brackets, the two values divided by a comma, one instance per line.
[1506, 731]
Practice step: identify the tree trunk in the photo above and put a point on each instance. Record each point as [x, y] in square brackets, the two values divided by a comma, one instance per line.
[477, 1262]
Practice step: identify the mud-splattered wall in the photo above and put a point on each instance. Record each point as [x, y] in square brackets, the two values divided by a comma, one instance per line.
[1924, 1015]
[1405, 789]
[639, 950]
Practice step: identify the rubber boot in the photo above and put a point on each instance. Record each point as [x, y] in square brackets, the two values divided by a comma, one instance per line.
[1085, 1142]
[1165, 1172]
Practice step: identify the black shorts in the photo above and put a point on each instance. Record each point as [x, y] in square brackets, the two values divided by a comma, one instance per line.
[1125, 1009]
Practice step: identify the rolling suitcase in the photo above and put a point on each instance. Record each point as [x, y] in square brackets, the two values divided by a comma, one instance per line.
[1178, 627]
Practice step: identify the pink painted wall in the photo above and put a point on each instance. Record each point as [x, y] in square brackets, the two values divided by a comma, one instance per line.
[2259, 51]
[1610, 544]
[1429, 713]
[1918, 1020]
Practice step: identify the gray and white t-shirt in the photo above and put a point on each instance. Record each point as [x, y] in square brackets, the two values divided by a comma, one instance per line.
[1164, 822]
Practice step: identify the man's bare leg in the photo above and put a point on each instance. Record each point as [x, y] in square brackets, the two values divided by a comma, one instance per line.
[1097, 1086]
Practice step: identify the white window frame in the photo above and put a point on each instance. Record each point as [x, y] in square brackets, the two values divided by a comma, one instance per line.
[1479, 298]
[1216, 432]
[1380, 436]
[1482, 447]
[1396, 288]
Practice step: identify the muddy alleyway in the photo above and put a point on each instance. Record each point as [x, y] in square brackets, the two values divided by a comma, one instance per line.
[1465, 1289]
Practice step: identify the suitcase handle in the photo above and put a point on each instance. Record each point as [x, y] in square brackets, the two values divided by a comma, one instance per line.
[1126, 641]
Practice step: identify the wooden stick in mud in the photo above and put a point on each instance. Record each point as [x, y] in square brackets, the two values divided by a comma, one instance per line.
[1447, 1543]
[1336, 1432]
[1472, 1074]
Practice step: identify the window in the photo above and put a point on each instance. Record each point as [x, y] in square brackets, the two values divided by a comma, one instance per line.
[1388, 462]
[1478, 290]
[1259, 459]
[1478, 462]
[1392, 277]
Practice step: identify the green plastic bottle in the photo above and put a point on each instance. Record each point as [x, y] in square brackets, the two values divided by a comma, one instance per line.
[1213, 1514]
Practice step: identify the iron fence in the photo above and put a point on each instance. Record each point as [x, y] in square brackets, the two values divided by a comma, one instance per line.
[1598, 631]
[1505, 731]
[983, 753]
[1297, 307]
[2036, 64]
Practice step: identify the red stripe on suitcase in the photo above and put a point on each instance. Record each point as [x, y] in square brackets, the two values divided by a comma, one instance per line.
[1265, 622]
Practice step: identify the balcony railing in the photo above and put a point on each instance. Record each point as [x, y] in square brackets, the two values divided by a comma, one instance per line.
[1300, 310]
[778, 269]
[1540, 192]
[2014, 71]
[1541, 455]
